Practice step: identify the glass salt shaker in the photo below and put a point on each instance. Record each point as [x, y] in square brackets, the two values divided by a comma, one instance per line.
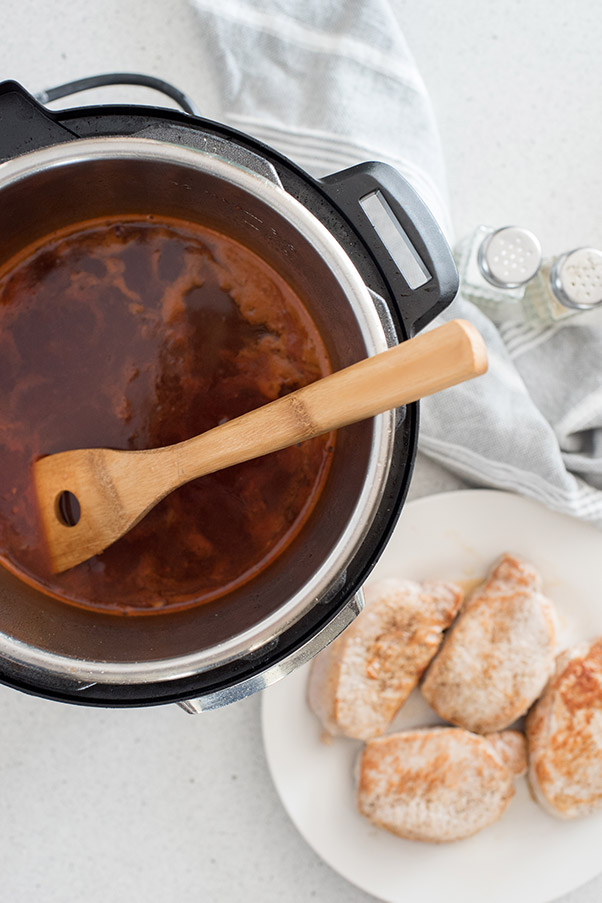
[495, 266]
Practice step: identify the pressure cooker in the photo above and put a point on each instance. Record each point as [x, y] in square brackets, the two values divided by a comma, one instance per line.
[365, 253]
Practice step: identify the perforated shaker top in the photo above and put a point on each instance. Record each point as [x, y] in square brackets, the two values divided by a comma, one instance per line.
[576, 278]
[510, 256]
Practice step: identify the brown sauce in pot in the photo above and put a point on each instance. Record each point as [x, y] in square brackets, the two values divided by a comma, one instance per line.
[135, 334]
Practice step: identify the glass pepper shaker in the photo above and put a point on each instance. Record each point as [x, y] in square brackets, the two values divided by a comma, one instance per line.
[565, 287]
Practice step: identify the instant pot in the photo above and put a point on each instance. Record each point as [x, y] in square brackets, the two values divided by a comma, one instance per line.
[372, 265]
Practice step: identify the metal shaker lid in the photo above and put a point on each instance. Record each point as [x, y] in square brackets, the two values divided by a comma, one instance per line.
[509, 257]
[576, 278]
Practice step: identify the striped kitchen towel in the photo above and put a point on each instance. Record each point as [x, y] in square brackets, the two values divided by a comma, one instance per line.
[331, 83]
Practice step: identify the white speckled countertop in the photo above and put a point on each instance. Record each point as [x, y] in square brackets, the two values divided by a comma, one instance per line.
[148, 806]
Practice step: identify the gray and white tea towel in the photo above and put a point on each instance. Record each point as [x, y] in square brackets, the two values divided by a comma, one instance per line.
[331, 83]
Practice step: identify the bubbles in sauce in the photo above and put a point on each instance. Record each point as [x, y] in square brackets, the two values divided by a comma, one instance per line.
[137, 334]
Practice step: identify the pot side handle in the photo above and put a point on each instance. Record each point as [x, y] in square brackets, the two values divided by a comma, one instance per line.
[24, 123]
[402, 234]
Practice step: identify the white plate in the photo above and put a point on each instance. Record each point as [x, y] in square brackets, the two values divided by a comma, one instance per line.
[527, 855]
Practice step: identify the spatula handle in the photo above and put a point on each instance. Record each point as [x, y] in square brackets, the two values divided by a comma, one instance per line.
[432, 361]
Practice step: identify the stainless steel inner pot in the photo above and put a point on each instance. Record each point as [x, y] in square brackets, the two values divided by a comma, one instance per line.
[50, 188]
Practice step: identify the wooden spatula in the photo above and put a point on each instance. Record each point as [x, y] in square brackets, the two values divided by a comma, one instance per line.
[115, 489]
